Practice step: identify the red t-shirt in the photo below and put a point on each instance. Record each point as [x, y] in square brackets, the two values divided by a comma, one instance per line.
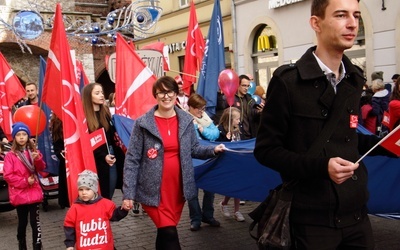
[92, 224]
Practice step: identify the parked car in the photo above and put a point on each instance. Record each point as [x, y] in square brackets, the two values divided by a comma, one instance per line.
[5, 204]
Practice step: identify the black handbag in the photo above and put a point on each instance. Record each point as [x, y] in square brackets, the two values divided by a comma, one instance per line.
[272, 218]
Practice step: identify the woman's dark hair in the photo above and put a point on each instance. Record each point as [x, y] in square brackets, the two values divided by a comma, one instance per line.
[396, 91]
[165, 83]
[56, 128]
[93, 122]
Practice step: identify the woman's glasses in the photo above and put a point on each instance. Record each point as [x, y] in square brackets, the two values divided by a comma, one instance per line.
[169, 93]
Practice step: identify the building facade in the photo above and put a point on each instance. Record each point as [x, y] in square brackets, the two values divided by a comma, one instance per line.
[171, 30]
[284, 23]
[259, 35]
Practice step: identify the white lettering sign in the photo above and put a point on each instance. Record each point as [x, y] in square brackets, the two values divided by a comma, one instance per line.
[273, 4]
[153, 59]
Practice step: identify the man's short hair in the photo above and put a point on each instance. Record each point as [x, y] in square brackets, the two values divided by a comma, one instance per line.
[318, 7]
[31, 83]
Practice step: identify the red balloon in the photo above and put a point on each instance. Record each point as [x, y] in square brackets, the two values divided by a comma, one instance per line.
[31, 115]
[228, 82]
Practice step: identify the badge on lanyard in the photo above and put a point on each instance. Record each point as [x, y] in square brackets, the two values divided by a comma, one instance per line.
[353, 121]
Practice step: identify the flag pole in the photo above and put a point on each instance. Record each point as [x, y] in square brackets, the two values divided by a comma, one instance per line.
[175, 71]
[379, 143]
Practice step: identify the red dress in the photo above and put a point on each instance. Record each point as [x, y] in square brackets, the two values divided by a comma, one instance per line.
[168, 213]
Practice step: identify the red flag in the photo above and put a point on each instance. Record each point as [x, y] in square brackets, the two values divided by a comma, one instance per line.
[61, 94]
[133, 82]
[392, 141]
[97, 138]
[194, 51]
[11, 91]
[80, 74]
[158, 46]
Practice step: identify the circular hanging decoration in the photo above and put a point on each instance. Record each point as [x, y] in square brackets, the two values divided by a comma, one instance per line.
[28, 24]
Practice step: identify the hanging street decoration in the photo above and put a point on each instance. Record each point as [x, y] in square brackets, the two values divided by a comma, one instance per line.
[134, 22]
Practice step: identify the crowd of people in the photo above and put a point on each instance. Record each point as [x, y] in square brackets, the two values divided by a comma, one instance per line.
[305, 130]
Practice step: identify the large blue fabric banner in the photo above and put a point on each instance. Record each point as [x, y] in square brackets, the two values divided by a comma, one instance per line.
[236, 173]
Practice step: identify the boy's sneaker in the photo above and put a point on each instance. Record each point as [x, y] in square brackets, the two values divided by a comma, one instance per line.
[242, 203]
[224, 210]
[238, 216]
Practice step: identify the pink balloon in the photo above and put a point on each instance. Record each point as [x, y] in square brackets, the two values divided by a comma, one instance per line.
[228, 82]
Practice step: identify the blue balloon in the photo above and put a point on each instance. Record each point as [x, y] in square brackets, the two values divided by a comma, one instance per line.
[257, 99]
[252, 88]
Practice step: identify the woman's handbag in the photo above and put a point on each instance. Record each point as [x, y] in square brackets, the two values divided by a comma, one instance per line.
[272, 218]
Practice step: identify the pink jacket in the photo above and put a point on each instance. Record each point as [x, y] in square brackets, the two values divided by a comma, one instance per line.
[16, 174]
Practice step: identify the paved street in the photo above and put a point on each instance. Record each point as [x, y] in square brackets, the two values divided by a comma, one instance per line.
[138, 232]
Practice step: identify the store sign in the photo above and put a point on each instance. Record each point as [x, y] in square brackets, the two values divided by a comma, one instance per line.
[273, 4]
[153, 59]
[176, 47]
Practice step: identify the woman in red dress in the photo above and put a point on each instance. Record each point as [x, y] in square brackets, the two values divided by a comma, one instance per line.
[158, 169]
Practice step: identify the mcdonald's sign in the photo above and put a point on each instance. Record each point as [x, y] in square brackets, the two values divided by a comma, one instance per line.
[263, 43]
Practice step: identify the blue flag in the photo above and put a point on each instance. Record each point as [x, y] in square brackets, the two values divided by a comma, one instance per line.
[213, 61]
[44, 142]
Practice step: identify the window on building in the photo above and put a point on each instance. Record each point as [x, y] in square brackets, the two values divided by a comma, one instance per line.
[183, 3]
[357, 52]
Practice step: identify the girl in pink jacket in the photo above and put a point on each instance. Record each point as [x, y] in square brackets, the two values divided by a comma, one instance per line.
[21, 165]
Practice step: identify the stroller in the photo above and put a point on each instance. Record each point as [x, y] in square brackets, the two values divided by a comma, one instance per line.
[49, 186]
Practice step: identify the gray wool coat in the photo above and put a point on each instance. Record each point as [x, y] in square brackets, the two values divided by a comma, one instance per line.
[142, 175]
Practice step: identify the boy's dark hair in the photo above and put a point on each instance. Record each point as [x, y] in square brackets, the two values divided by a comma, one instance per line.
[241, 77]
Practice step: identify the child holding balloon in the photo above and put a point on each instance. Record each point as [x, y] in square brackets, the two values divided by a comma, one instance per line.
[21, 166]
[229, 127]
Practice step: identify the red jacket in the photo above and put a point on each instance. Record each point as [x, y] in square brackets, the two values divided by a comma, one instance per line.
[394, 113]
[16, 174]
[368, 119]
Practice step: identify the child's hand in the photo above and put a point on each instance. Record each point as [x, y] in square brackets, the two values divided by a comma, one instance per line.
[34, 154]
[127, 205]
[228, 135]
[31, 179]
[70, 248]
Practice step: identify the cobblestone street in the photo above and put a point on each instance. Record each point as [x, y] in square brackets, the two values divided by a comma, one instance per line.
[138, 232]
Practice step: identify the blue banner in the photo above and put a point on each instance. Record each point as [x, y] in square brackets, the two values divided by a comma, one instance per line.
[44, 142]
[213, 61]
[236, 173]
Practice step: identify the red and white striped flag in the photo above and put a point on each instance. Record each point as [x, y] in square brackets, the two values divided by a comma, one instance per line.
[133, 82]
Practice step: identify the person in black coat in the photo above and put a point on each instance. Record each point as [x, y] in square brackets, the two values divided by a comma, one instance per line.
[249, 111]
[109, 157]
[58, 146]
[328, 209]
